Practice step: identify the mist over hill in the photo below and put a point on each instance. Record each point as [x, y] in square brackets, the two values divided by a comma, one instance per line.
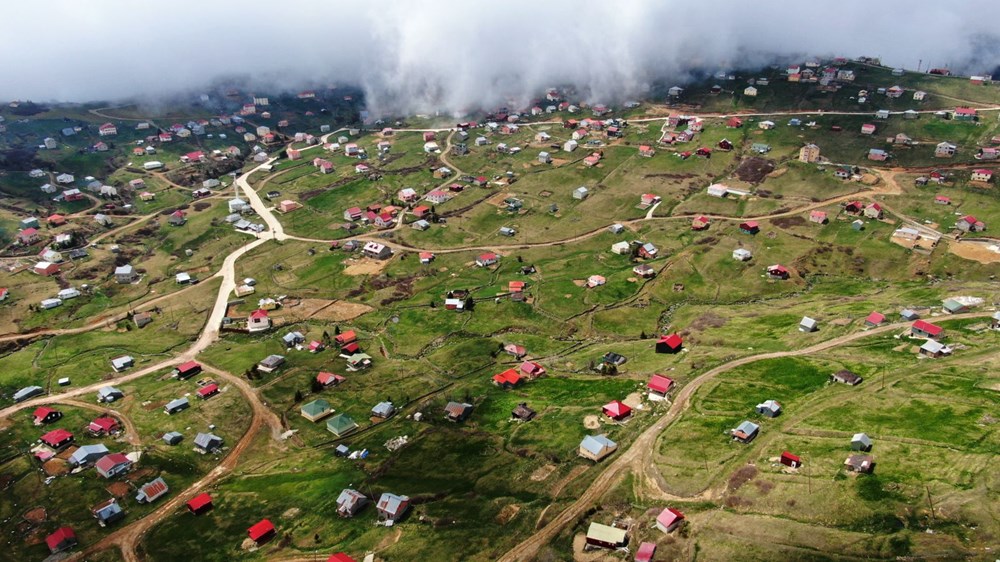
[424, 55]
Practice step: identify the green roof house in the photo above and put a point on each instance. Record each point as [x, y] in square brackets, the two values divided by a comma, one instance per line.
[341, 425]
[316, 410]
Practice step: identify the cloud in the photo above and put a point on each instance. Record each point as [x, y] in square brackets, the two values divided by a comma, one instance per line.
[424, 55]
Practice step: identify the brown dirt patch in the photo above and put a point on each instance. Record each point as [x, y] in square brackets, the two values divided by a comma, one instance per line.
[975, 251]
[542, 472]
[364, 266]
[56, 467]
[36, 515]
[591, 422]
[706, 321]
[507, 513]
[633, 400]
[558, 487]
[118, 489]
[777, 173]
[754, 170]
[291, 513]
[497, 200]
[334, 311]
[786, 222]
[840, 322]
[742, 476]
[580, 282]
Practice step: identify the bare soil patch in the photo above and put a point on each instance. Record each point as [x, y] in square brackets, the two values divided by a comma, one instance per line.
[706, 321]
[777, 173]
[975, 251]
[591, 422]
[633, 400]
[786, 222]
[118, 489]
[56, 467]
[754, 170]
[364, 266]
[36, 515]
[507, 513]
[542, 472]
[334, 311]
[742, 476]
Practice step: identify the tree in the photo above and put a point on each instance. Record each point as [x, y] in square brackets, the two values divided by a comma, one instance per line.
[519, 260]
[643, 335]
[336, 329]
[326, 337]
[316, 386]
[298, 395]
[433, 305]
[470, 304]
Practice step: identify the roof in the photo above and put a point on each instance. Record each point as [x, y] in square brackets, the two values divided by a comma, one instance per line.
[748, 428]
[103, 423]
[673, 341]
[510, 376]
[41, 412]
[340, 424]
[645, 552]
[187, 366]
[260, 529]
[56, 436]
[861, 438]
[154, 489]
[339, 557]
[208, 389]
[206, 440]
[59, 536]
[616, 408]
[927, 327]
[669, 516]
[594, 444]
[875, 318]
[606, 534]
[660, 383]
[107, 462]
[391, 503]
[200, 501]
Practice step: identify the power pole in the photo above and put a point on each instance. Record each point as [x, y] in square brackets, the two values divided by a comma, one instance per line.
[929, 501]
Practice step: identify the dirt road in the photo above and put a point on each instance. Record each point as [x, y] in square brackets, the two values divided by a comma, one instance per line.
[633, 457]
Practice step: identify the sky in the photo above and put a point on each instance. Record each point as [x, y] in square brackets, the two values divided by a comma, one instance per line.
[450, 55]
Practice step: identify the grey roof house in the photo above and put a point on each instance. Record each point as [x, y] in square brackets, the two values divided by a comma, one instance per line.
[207, 442]
[350, 502]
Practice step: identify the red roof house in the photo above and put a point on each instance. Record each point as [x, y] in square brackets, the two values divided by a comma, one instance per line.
[208, 391]
[777, 272]
[532, 369]
[57, 438]
[700, 223]
[874, 319]
[103, 425]
[63, 539]
[734, 123]
[507, 379]
[200, 504]
[188, 369]
[669, 344]
[56, 220]
[791, 460]
[346, 337]
[617, 410]
[669, 519]
[339, 557]
[45, 415]
[329, 379]
[261, 531]
[924, 329]
[660, 384]
[645, 552]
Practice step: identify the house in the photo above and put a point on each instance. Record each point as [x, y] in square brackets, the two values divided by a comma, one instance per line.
[486, 260]
[47, 304]
[359, 361]
[596, 447]
[644, 271]
[208, 391]
[818, 217]
[807, 324]
[109, 394]
[969, 223]
[376, 251]
[341, 425]
[61, 540]
[862, 464]
[646, 151]
[456, 412]
[942, 200]
[349, 502]
[777, 272]
[176, 405]
[750, 227]
[258, 321]
[882, 114]
[612, 358]
[750, 91]
[769, 408]
[760, 148]
[200, 504]
[603, 536]
[843, 173]
[316, 410]
[617, 410]
[112, 465]
[45, 268]
[945, 150]
[329, 379]
[261, 532]
[878, 155]
[172, 438]
[291, 339]
[964, 114]
[621, 248]
[924, 329]
[790, 460]
[103, 425]
[57, 438]
[570, 145]
[953, 306]
[742, 254]
[745, 432]
[507, 231]
[532, 370]
[932, 348]
[187, 370]
[44, 415]
[595, 281]
[765, 125]
[659, 385]
[874, 319]
[392, 507]
[580, 193]
[152, 491]
[271, 363]
[65, 178]
[125, 274]
[867, 129]
[669, 344]
[87, 454]
[207, 442]
[982, 175]
[28, 236]
[669, 519]
[908, 315]
[108, 512]
[522, 412]
[384, 410]
[648, 199]
[861, 442]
